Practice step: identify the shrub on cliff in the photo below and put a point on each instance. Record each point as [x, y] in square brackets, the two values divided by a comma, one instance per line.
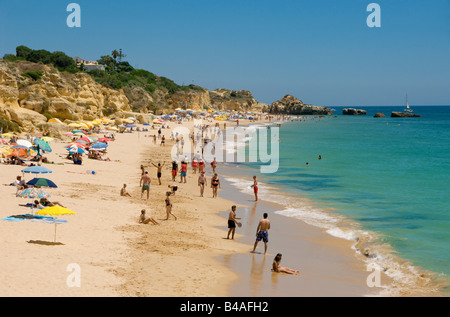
[8, 126]
[35, 75]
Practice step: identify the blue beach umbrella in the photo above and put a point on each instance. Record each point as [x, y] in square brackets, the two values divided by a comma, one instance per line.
[130, 126]
[42, 182]
[36, 170]
[99, 145]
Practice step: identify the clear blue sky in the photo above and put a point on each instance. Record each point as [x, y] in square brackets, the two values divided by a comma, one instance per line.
[321, 51]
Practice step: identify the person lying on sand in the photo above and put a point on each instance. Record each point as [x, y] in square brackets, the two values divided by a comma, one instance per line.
[46, 203]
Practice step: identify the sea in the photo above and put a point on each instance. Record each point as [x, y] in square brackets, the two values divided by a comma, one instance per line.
[380, 182]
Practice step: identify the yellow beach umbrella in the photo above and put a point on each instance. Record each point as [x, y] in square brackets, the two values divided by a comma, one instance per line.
[55, 120]
[47, 139]
[55, 211]
[6, 150]
[8, 135]
[74, 125]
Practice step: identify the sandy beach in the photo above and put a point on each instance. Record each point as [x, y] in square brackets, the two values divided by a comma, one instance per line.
[187, 257]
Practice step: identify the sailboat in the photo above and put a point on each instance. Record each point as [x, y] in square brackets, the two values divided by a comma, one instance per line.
[407, 109]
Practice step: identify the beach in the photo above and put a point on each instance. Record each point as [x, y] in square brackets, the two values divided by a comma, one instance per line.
[188, 257]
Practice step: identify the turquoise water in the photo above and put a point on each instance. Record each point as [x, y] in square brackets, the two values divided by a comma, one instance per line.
[390, 175]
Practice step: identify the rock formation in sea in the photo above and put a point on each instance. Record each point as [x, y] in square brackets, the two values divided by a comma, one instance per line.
[379, 115]
[291, 105]
[353, 111]
[396, 114]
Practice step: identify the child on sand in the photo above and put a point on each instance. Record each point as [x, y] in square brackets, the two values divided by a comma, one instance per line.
[146, 220]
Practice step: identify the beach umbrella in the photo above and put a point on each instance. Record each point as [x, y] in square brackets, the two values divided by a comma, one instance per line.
[24, 143]
[77, 150]
[99, 145]
[85, 138]
[55, 211]
[37, 170]
[3, 141]
[103, 140]
[18, 146]
[19, 152]
[7, 135]
[42, 145]
[32, 193]
[6, 150]
[42, 182]
[130, 126]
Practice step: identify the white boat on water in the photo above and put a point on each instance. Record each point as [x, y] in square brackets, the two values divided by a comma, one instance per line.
[407, 109]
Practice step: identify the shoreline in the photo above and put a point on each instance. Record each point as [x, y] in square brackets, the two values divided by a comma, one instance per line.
[406, 280]
[189, 257]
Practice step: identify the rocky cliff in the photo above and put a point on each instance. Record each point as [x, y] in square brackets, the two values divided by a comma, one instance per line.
[29, 102]
[33, 93]
[291, 105]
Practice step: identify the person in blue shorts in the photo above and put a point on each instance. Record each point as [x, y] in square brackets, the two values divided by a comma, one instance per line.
[262, 233]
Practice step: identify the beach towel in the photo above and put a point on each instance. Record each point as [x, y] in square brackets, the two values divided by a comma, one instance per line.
[35, 218]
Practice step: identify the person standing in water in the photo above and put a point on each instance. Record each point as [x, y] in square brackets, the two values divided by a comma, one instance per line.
[232, 222]
[255, 187]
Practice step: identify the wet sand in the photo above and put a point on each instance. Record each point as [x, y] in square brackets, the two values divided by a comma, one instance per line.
[328, 266]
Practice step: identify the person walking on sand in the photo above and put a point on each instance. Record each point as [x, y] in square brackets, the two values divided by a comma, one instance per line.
[201, 165]
[169, 206]
[174, 170]
[215, 184]
[202, 182]
[124, 192]
[262, 233]
[255, 187]
[146, 220]
[159, 167]
[163, 141]
[214, 165]
[194, 165]
[276, 267]
[145, 183]
[183, 171]
[232, 222]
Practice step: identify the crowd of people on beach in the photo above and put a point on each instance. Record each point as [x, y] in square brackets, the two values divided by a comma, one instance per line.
[179, 169]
